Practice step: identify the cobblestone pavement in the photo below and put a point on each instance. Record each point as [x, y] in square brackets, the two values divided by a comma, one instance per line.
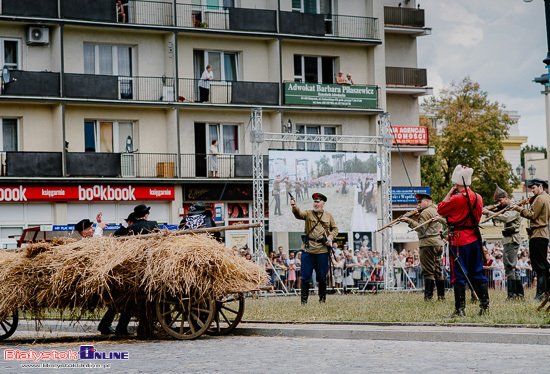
[239, 354]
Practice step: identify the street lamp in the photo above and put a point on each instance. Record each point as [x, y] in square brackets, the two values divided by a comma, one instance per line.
[543, 79]
[519, 172]
[532, 171]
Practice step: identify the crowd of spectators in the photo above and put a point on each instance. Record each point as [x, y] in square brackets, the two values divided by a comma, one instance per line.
[364, 268]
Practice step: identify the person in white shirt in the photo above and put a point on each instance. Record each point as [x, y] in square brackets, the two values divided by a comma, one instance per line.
[204, 83]
[86, 230]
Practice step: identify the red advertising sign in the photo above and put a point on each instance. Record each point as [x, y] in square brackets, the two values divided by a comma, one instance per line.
[410, 135]
[97, 192]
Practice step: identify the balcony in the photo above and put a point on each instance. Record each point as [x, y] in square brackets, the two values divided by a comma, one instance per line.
[32, 83]
[154, 13]
[231, 92]
[112, 87]
[226, 18]
[123, 165]
[407, 81]
[400, 20]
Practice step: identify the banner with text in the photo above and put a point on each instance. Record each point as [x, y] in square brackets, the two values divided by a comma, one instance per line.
[331, 94]
[410, 135]
[405, 195]
[96, 192]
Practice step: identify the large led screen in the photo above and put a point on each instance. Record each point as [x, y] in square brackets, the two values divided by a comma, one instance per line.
[348, 180]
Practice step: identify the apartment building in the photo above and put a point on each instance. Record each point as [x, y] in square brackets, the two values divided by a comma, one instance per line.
[101, 110]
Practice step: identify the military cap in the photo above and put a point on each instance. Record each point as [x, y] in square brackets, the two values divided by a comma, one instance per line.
[422, 196]
[83, 225]
[499, 193]
[319, 196]
[538, 182]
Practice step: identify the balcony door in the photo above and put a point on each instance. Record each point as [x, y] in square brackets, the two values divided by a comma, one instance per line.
[105, 59]
[313, 69]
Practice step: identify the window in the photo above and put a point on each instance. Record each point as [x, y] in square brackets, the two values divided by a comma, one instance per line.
[313, 69]
[10, 51]
[8, 129]
[224, 64]
[108, 136]
[227, 135]
[312, 6]
[315, 130]
[103, 59]
[215, 4]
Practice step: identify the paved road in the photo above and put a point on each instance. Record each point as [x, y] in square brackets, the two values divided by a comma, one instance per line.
[249, 354]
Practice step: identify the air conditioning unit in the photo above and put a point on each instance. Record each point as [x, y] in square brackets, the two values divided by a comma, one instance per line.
[38, 35]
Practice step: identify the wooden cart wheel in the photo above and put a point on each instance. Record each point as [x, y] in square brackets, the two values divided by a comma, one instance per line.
[9, 325]
[185, 318]
[229, 312]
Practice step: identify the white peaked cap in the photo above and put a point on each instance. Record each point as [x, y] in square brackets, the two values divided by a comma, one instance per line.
[462, 172]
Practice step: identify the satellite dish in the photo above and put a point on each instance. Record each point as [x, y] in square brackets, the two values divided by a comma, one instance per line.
[5, 74]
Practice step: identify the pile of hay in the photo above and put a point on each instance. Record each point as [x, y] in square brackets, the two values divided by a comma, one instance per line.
[82, 275]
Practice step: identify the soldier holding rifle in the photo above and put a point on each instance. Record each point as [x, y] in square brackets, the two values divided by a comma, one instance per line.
[538, 214]
[463, 208]
[511, 240]
[320, 231]
[431, 246]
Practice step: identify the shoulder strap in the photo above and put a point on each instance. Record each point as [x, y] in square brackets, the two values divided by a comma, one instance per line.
[318, 221]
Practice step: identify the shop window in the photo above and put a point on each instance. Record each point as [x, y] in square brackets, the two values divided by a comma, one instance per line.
[108, 136]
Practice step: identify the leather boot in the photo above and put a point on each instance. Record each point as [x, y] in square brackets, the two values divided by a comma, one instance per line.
[440, 285]
[428, 289]
[305, 292]
[322, 292]
[483, 299]
[511, 287]
[541, 286]
[460, 301]
[519, 289]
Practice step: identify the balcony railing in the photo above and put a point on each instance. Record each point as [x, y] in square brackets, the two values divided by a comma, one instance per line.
[399, 16]
[138, 12]
[351, 27]
[149, 165]
[198, 165]
[230, 92]
[397, 76]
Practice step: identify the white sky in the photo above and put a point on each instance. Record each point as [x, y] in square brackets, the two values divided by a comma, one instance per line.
[498, 43]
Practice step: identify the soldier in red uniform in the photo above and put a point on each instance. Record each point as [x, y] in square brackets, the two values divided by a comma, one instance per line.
[463, 218]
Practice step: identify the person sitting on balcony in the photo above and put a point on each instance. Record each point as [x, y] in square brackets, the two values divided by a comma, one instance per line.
[121, 13]
[349, 80]
[340, 79]
[204, 83]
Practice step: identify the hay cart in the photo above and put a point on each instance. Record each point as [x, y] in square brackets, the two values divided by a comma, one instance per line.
[182, 315]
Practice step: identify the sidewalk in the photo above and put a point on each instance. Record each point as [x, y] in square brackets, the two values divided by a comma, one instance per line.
[87, 330]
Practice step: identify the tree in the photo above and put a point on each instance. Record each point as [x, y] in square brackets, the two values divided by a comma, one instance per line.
[323, 166]
[472, 133]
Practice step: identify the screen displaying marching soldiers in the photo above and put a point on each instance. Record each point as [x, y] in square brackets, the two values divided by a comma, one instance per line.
[348, 180]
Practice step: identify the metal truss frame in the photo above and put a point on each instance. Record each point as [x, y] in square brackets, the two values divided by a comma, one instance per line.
[383, 144]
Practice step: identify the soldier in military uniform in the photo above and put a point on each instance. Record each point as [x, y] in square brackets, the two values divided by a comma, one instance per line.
[320, 230]
[511, 240]
[463, 208]
[431, 246]
[538, 214]
[277, 194]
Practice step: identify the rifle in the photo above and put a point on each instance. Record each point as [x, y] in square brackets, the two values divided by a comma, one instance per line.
[509, 207]
[424, 223]
[409, 214]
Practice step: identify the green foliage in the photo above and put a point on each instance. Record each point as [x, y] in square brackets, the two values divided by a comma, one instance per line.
[355, 165]
[323, 167]
[472, 135]
[531, 148]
